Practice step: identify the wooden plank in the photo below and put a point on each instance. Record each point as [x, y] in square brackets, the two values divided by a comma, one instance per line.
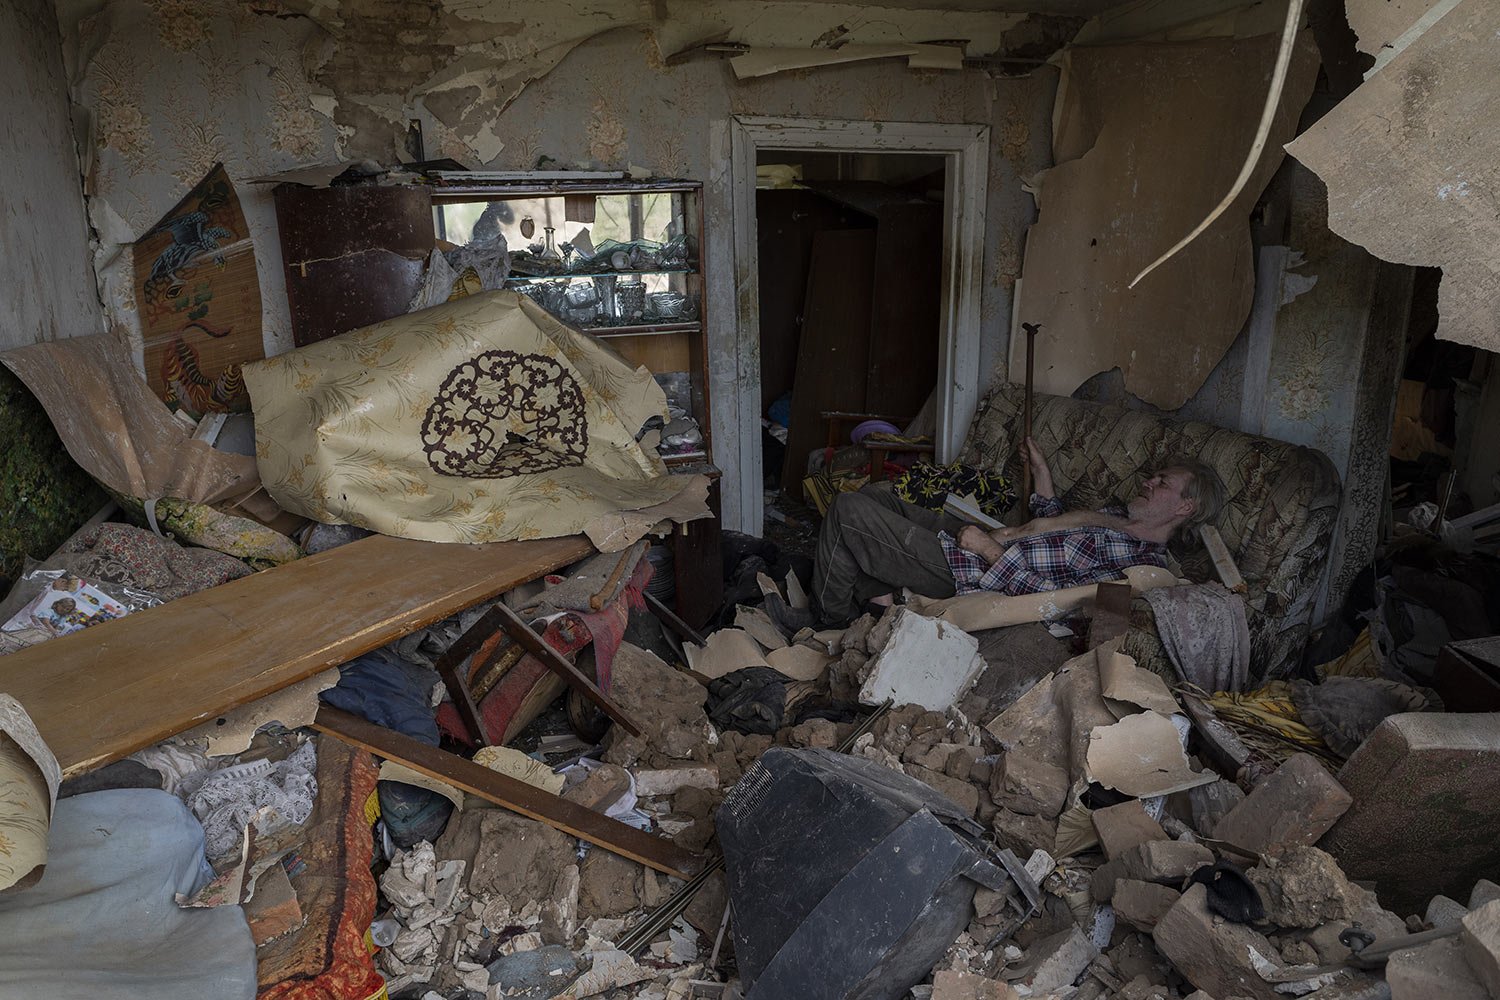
[1111, 613]
[1228, 572]
[107, 691]
[503, 790]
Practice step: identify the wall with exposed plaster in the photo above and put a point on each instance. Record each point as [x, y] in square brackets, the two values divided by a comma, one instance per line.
[172, 87]
[46, 285]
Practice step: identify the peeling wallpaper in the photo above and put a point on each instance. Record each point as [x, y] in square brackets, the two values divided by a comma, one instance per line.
[174, 86]
[46, 288]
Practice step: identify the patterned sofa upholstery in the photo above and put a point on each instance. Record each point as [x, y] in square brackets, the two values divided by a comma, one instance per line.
[1279, 513]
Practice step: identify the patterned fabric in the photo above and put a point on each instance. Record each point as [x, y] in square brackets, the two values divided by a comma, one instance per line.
[1282, 502]
[1053, 560]
[134, 557]
[482, 419]
[326, 958]
[929, 485]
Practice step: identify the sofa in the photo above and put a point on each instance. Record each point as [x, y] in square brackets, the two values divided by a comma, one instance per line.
[1281, 505]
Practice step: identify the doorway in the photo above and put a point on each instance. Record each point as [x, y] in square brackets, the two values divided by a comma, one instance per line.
[963, 152]
[850, 250]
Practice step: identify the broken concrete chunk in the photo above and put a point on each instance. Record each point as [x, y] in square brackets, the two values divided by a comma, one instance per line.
[671, 780]
[1142, 904]
[1212, 954]
[1426, 789]
[1295, 806]
[924, 662]
[1023, 784]
[601, 788]
[1124, 826]
[1212, 802]
[1304, 887]
[951, 985]
[1481, 944]
[963, 794]
[1437, 969]
[1484, 890]
[1056, 961]
[1023, 834]
[1443, 912]
[1165, 860]
[961, 763]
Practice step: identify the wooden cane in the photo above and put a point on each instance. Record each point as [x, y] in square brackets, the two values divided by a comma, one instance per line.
[1031, 332]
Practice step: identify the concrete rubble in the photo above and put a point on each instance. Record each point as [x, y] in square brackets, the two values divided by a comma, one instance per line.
[1218, 890]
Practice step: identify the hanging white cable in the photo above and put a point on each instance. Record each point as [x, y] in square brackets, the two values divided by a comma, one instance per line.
[1267, 116]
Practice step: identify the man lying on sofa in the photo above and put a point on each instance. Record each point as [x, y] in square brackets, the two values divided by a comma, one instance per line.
[873, 543]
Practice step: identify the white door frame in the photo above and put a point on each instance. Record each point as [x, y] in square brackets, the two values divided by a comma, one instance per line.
[965, 149]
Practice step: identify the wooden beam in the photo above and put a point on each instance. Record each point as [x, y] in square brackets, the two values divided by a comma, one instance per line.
[501, 616]
[110, 690]
[510, 793]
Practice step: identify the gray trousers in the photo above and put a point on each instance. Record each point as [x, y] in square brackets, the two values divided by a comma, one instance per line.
[872, 543]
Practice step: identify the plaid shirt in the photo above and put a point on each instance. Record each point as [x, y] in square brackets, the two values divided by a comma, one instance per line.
[1052, 560]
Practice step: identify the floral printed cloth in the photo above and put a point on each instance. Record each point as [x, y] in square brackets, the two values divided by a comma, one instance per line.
[136, 558]
[480, 420]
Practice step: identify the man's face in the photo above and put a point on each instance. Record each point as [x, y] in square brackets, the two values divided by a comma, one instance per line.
[1160, 500]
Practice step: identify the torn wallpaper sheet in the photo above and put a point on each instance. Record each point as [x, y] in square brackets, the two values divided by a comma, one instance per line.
[1142, 755]
[480, 420]
[121, 434]
[1412, 164]
[1147, 139]
[30, 775]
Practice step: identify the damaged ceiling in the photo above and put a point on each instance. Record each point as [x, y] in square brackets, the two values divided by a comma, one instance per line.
[1412, 158]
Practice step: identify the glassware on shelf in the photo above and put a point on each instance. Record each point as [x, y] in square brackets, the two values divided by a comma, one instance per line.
[630, 300]
[666, 305]
[580, 304]
[549, 248]
[609, 310]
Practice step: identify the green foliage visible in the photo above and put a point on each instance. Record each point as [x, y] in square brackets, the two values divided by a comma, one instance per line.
[44, 495]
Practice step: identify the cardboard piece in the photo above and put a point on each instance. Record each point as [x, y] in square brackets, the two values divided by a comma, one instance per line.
[1147, 139]
[273, 910]
[800, 663]
[1120, 680]
[293, 707]
[759, 625]
[727, 650]
[1142, 755]
[1411, 160]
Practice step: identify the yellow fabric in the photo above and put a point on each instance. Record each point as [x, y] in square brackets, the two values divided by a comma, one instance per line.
[1359, 661]
[480, 420]
[1267, 720]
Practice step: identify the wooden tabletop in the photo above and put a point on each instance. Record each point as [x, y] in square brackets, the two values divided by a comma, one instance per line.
[107, 691]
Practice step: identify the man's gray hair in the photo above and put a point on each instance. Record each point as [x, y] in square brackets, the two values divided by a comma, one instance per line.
[1204, 488]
